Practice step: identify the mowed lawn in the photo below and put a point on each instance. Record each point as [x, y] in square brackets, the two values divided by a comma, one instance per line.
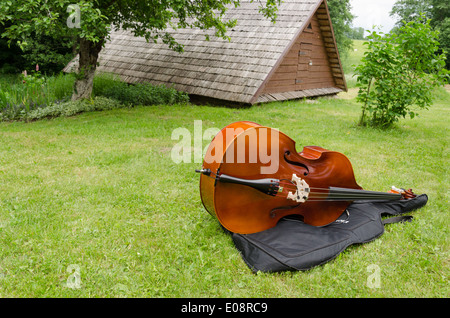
[94, 206]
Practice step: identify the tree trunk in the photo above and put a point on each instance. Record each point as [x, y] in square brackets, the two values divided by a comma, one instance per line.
[88, 56]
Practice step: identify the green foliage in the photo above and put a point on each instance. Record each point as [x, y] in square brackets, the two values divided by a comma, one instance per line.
[51, 56]
[437, 11]
[60, 86]
[11, 61]
[26, 18]
[441, 22]
[410, 10]
[137, 94]
[356, 33]
[34, 81]
[22, 94]
[71, 108]
[399, 72]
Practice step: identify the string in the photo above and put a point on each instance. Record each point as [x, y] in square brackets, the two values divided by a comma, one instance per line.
[293, 188]
[335, 192]
[333, 198]
[334, 195]
[327, 195]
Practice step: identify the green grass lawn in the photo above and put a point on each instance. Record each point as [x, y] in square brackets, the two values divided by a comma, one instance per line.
[352, 59]
[93, 205]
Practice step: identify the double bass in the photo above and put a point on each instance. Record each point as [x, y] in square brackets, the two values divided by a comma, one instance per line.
[252, 176]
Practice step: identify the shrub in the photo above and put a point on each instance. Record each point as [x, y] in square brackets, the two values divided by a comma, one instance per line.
[399, 71]
[70, 108]
[145, 94]
[10, 111]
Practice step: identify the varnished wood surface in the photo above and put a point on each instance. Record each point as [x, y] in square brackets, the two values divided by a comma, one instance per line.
[244, 210]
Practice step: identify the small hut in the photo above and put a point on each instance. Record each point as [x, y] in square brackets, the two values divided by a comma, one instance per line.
[294, 58]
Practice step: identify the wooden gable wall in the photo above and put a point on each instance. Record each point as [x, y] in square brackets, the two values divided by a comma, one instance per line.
[312, 62]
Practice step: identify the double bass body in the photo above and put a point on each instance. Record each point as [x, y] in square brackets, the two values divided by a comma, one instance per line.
[252, 194]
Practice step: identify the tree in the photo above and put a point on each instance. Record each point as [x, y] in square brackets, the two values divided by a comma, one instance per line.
[356, 33]
[341, 17]
[437, 11]
[409, 10]
[399, 71]
[441, 22]
[11, 60]
[90, 22]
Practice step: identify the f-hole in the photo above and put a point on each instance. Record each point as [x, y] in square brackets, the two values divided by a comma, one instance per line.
[295, 163]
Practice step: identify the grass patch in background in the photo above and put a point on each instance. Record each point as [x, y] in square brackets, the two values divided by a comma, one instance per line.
[349, 61]
[99, 194]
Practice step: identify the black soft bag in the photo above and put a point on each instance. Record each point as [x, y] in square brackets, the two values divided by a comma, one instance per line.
[295, 246]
